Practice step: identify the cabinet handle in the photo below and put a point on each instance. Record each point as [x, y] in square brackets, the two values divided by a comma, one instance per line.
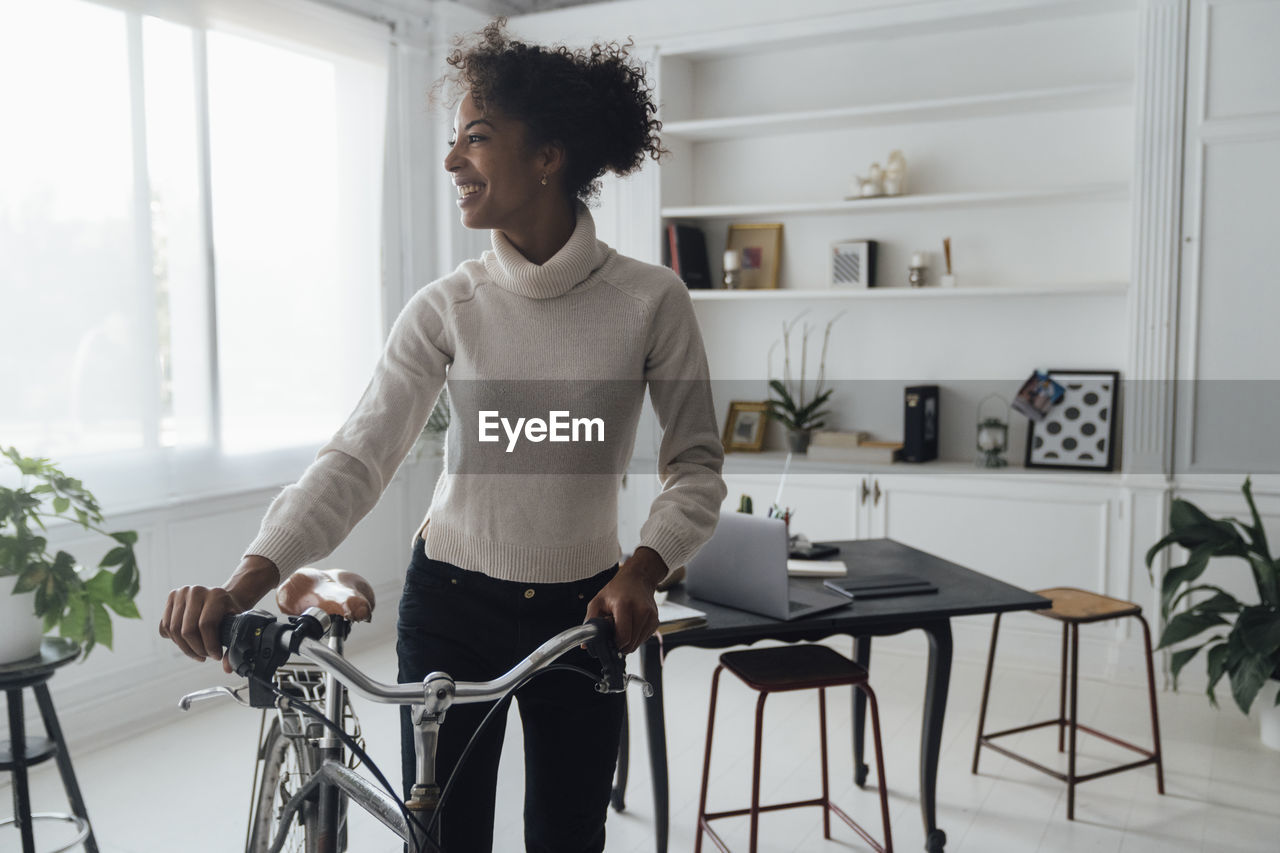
[876, 502]
[865, 492]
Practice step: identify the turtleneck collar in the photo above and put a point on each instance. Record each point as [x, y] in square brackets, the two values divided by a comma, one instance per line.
[575, 261]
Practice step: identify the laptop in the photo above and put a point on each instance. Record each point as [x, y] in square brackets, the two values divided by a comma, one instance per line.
[744, 565]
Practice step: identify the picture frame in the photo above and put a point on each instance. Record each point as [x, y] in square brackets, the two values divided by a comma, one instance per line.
[760, 248]
[1078, 433]
[744, 426]
[852, 265]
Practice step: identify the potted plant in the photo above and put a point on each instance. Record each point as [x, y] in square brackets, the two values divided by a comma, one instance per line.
[796, 407]
[1244, 641]
[40, 591]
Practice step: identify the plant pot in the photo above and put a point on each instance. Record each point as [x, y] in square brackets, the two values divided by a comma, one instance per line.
[20, 633]
[798, 440]
[1269, 714]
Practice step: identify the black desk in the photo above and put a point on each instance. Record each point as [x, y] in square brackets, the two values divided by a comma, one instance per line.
[961, 592]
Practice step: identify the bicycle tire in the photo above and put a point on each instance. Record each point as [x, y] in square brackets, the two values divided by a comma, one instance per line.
[286, 762]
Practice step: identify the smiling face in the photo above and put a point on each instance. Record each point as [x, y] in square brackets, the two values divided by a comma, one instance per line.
[498, 175]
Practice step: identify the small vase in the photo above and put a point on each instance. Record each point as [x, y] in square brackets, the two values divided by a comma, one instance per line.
[20, 633]
[798, 440]
[1269, 714]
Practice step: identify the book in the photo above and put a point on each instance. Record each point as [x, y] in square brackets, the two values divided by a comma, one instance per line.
[816, 568]
[876, 453]
[674, 617]
[835, 438]
[879, 585]
[685, 251]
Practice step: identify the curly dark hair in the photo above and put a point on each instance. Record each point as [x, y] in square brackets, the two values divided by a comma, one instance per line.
[594, 102]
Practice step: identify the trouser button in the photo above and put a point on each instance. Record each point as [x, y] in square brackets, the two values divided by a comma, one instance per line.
[528, 593]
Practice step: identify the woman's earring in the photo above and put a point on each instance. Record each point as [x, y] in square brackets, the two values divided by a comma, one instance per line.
[544, 180]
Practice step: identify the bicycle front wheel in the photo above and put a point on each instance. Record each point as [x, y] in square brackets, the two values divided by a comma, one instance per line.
[287, 762]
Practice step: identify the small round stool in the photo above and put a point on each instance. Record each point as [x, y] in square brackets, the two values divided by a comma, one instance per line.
[1073, 608]
[779, 669]
[21, 751]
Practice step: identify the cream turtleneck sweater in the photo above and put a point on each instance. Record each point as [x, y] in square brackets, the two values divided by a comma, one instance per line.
[584, 335]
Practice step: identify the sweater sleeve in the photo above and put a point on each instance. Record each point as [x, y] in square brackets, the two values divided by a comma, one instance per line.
[310, 518]
[691, 456]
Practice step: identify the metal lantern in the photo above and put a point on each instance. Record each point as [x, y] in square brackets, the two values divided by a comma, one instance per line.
[993, 435]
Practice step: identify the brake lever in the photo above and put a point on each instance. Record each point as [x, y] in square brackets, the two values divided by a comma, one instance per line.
[190, 699]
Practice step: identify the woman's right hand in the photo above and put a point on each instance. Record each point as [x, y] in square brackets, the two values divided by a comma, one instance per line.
[192, 614]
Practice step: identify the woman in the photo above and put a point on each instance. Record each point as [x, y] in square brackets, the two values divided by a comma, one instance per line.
[520, 540]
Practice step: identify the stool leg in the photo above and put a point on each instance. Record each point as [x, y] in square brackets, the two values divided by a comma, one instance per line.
[884, 786]
[822, 749]
[755, 773]
[986, 692]
[1062, 689]
[63, 757]
[1151, 694]
[1074, 709]
[21, 794]
[706, 760]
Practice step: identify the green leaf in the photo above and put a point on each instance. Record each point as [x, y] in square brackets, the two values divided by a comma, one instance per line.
[125, 537]
[75, 623]
[1256, 532]
[115, 556]
[1191, 590]
[1216, 666]
[61, 505]
[1248, 679]
[1187, 625]
[34, 575]
[125, 583]
[1187, 573]
[102, 625]
[1182, 657]
[1259, 630]
[125, 607]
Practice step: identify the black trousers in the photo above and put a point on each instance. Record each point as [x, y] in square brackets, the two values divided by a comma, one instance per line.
[475, 628]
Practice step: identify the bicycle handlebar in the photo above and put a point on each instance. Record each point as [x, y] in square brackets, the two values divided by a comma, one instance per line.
[257, 644]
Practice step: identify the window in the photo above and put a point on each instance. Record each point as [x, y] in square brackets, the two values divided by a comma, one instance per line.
[190, 228]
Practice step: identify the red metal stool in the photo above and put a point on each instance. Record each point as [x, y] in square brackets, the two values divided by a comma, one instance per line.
[775, 670]
[1073, 608]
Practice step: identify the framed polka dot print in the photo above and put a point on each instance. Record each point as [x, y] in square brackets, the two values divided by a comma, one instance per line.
[1079, 431]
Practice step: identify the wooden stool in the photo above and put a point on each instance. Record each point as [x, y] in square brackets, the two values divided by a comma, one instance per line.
[22, 751]
[775, 670]
[1074, 607]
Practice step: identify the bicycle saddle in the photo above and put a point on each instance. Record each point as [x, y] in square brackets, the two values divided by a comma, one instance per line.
[335, 591]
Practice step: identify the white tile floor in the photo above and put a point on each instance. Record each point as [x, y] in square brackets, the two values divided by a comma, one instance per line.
[184, 787]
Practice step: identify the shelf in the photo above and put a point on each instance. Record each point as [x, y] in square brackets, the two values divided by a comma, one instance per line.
[924, 293]
[1073, 97]
[1085, 192]
[887, 21]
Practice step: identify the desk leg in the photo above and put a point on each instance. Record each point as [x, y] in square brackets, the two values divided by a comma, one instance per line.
[656, 723]
[862, 656]
[935, 708]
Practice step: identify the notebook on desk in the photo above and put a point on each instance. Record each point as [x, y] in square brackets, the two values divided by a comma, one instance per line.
[744, 565]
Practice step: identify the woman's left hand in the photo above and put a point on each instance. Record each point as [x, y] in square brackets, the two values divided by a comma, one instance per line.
[628, 599]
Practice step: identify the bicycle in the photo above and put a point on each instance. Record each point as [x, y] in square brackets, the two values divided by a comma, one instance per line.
[304, 780]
